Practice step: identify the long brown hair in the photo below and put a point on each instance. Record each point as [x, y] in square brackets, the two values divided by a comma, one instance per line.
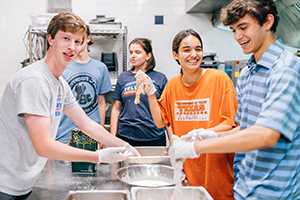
[180, 36]
[146, 45]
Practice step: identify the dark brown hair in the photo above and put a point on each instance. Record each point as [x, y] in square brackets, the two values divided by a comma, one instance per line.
[146, 45]
[258, 9]
[88, 33]
[180, 36]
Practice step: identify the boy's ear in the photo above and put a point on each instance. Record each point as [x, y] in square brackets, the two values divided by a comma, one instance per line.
[49, 38]
[270, 21]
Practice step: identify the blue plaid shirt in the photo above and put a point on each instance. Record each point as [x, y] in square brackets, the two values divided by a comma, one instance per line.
[268, 94]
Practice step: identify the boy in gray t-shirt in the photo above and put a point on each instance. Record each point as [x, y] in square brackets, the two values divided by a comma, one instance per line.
[31, 109]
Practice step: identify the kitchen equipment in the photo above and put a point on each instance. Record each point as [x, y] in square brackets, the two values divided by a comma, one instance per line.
[99, 195]
[110, 60]
[82, 141]
[210, 61]
[41, 20]
[102, 20]
[57, 6]
[233, 69]
[162, 193]
[288, 10]
[149, 155]
[147, 175]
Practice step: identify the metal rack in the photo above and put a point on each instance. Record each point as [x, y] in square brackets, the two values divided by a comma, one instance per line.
[36, 34]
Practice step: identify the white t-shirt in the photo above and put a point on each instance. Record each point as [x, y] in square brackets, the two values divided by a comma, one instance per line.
[32, 90]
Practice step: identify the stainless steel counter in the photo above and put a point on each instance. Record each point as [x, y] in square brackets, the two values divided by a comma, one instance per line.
[57, 179]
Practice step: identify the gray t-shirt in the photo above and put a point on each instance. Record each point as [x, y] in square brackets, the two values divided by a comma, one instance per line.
[32, 90]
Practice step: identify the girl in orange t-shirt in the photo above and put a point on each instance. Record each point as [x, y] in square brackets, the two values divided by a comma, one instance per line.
[199, 98]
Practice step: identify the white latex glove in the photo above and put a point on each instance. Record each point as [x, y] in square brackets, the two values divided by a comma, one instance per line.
[113, 154]
[132, 149]
[151, 89]
[145, 82]
[198, 134]
[176, 138]
[182, 150]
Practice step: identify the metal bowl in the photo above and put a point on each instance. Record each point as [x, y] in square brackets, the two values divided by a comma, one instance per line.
[147, 175]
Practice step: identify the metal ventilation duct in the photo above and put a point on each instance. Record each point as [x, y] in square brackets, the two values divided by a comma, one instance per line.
[288, 10]
[289, 25]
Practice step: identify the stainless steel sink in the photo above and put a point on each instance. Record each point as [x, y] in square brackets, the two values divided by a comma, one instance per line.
[163, 193]
[150, 155]
[99, 195]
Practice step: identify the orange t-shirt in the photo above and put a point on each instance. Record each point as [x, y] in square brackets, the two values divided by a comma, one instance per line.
[207, 103]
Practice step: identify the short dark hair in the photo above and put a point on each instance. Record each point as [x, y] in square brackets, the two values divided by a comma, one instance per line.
[146, 45]
[88, 33]
[258, 9]
[180, 36]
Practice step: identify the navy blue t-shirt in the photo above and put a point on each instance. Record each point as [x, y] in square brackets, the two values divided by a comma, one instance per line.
[135, 121]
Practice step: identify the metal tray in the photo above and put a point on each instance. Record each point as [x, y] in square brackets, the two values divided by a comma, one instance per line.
[99, 195]
[163, 193]
[149, 155]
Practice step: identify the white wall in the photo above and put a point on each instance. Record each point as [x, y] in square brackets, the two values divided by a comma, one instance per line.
[137, 15]
[14, 22]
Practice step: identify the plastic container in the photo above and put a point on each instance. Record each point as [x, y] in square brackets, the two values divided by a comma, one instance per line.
[82, 141]
[41, 20]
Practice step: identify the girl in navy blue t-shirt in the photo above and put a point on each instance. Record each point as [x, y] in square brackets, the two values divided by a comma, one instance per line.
[133, 122]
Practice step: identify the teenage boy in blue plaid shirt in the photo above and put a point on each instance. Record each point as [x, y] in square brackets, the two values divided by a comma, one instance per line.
[268, 93]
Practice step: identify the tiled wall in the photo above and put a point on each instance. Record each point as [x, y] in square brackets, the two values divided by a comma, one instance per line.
[137, 15]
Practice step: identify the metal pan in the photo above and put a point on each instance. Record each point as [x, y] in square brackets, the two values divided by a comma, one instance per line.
[162, 193]
[149, 155]
[99, 195]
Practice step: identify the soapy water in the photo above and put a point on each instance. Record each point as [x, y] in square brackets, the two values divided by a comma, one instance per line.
[149, 183]
[177, 193]
[140, 181]
[178, 167]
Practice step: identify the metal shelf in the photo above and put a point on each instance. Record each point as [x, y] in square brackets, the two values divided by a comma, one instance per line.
[94, 31]
[97, 31]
